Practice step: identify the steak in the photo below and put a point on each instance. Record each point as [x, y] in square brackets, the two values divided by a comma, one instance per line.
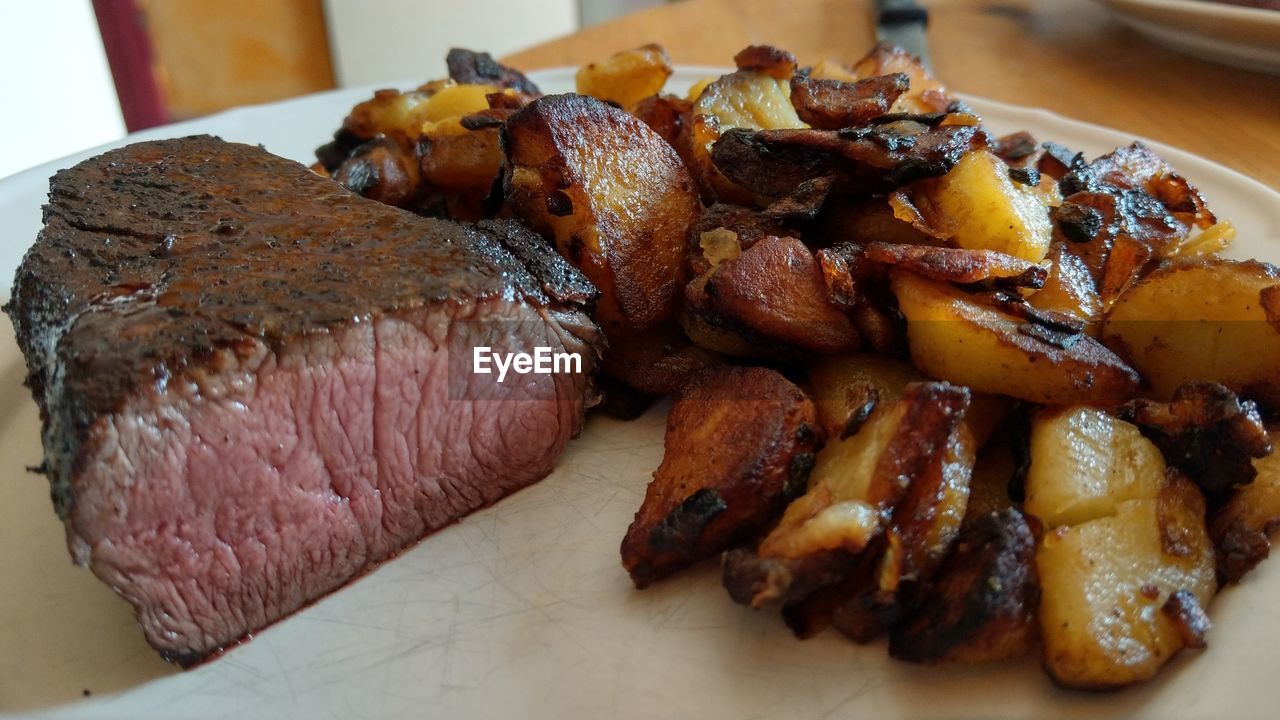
[255, 385]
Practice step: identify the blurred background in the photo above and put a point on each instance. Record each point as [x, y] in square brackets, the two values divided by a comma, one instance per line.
[80, 73]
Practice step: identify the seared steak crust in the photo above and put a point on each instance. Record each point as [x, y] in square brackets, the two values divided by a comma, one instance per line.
[192, 308]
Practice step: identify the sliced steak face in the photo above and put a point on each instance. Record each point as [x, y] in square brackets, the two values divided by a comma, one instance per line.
[256, 385]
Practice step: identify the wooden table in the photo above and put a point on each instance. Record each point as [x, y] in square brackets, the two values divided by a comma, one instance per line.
[1068, 56]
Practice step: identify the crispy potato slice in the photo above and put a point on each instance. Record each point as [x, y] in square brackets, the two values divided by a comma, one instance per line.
[925, 93]
[1085, 462]
[739, 444]
[1201, 320]
[1121, 593]
[1240, 528]
[1136, 167]
[766, 59]
[978, 206]
[627, 77]
[981, 606]
[1126, 263]
[775, 288]
[857, 479]
[926, 521]
[867, 160]
[920, 531]
[469, 67]
[958, 265]
[954, 338]
[834, 104]
[1069, 288]
[613, 195]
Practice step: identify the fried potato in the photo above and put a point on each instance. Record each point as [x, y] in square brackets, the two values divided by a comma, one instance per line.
[1201, 320]
[739, 444]
[834, 104]
[856, 480]
[775, 288]
[958, 265]
[846, 388]
[925, 93]
[709, 234]
[981, 606]
[955, 338]
[1085, 462]
[1137, 167]
[708, 328]
[866, 220]
[1206, 432]
[875, 159]
[664, 114]
[479, 68]
[742, 99]
[613, 195]
[920, 530]
[926, 521]
[766, 59]
[761, 582]
[460, 162]
[1069, 288]
[978, 206]
[381, 170]
[401, 116]
[1240, 528]
[1123, 592]
[627, 77]
[993, 470]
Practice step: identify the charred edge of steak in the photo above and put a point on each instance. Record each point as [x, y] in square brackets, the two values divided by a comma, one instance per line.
[157, 258]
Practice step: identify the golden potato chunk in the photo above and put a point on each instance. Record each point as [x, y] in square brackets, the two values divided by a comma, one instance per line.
[1084, 463]
[1121, 593]
[1201, 320]
[978, 206]
[953, 337]
[627, 77]
[739, 444]
[613, 195]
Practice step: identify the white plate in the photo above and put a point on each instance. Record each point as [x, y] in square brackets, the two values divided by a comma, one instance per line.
[523, 610]
[1246, 37]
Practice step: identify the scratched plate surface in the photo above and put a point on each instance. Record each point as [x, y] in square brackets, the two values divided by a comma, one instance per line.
[522, 610]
